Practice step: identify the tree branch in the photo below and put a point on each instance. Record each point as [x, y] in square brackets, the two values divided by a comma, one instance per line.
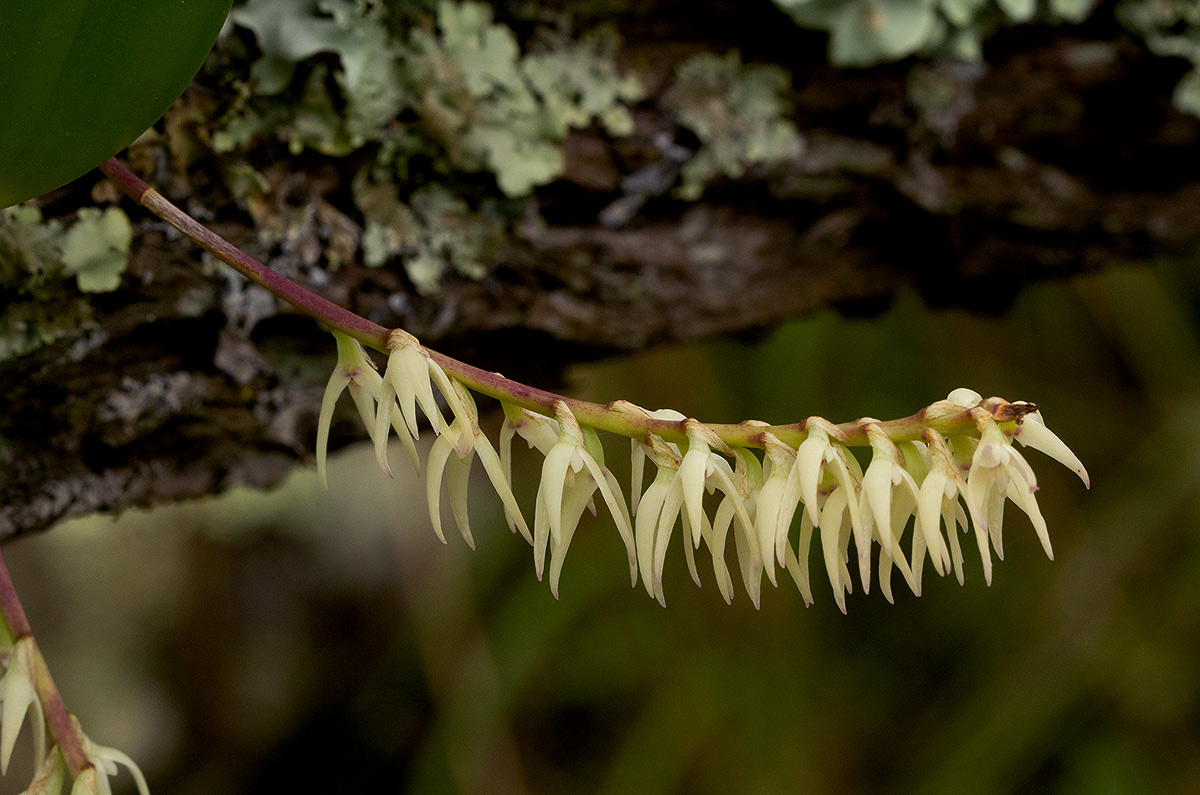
[182, 385]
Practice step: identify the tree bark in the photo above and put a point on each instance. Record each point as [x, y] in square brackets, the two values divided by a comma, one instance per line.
[1061, 155]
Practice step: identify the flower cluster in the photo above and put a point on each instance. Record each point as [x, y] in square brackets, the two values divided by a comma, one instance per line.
[946, 471]
[23, 687]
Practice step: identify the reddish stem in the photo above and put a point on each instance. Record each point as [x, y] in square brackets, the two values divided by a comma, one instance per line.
[58, 719]
[595, 415]
[370, 334]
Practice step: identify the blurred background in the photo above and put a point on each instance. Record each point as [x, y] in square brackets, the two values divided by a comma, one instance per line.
[328, 642]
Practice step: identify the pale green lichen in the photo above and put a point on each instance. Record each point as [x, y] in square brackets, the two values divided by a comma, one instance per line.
[867, 32]
[864, 32]
[495, 110]
[738, 111]
[46, 264]
[433, 233]
[95, 249]
[1171, 28]
[25, 327]
[36, 254]
[457, 96]
[30, 249]
[335, 113]
[477, 102]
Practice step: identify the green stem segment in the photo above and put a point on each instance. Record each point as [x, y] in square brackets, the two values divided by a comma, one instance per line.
[595, 415]
[58, 719]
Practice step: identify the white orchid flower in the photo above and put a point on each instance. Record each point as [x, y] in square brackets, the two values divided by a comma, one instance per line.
[572, 472]
[354, 371]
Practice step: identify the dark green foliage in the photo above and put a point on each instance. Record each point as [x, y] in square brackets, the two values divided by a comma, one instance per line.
[84, 78]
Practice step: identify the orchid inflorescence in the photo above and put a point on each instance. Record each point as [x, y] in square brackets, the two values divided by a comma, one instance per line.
[25, 689]
[948, 468]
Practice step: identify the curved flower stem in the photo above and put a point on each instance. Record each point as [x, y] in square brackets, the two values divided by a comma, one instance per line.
[370, 334]
[952, 463]
[58, 719]
[595, 415]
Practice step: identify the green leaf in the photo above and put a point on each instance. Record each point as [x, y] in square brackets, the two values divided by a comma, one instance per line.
[84, 78]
